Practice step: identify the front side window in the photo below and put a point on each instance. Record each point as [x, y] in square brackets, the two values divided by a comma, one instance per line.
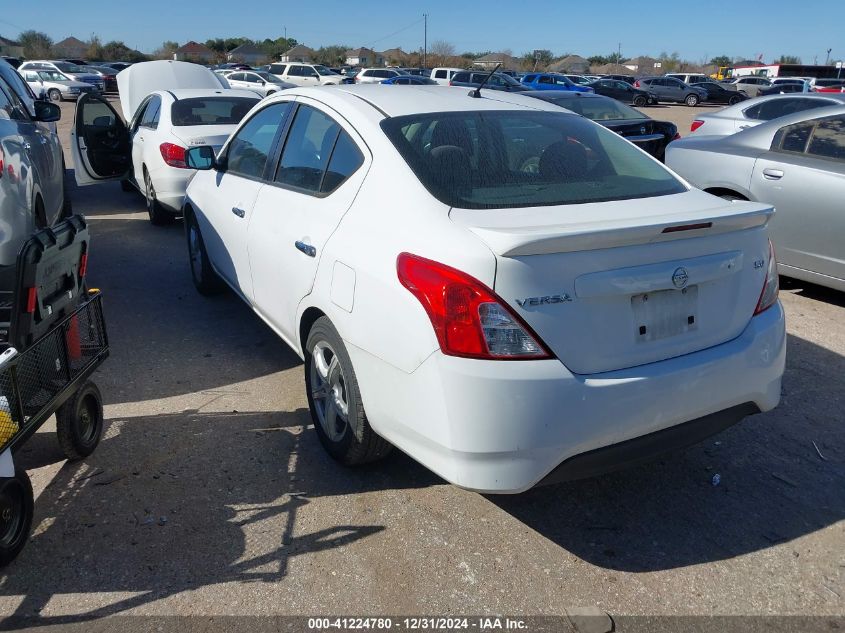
[236, 77]
[307, 149]
[7, 109]
[506, 159]
[440, 74]
[250, 147]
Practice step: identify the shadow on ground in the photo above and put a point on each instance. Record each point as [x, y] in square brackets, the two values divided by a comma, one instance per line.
[146, 514]
[775, 487]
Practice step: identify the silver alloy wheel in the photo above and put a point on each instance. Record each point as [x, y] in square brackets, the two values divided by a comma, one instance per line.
[194, 250]
[328, 390]
[150, 193]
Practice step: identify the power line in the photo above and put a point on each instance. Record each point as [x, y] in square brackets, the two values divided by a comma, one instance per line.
[381, 39]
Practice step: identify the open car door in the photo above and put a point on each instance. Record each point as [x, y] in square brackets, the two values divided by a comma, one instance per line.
[99, 142]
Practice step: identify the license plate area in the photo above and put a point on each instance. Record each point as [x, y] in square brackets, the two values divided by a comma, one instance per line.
[664, 313]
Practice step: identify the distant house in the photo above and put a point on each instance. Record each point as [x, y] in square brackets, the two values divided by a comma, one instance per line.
[574, 64]
[489, 61]
[642, 65]
[364, 57]
[194, 52]
[70, 47]
[247, 54]
[394, 57]
[10, 48]
[611, 69]
[299, 53]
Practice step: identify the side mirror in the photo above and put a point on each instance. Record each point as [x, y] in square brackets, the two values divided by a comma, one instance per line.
[47, 111]
[261, 82]
[315, 75]
[200, 157]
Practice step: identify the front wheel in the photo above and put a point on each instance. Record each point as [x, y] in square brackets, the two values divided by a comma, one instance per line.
[54, 94]
[79, 421]
[16, 509]
[640, 101]
[205, 279]
[691, 100]
[335, 400]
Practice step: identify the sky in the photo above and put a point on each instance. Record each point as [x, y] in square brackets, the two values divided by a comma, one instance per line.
[696, 31]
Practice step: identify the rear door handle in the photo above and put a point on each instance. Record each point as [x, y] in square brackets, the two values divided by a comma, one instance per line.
[773, 174]
[305, 248]
[238, 212]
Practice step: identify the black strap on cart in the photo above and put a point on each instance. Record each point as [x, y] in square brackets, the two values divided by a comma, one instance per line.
[50, 281]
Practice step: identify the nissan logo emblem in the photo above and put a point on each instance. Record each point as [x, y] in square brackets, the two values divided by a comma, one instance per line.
[680, 277]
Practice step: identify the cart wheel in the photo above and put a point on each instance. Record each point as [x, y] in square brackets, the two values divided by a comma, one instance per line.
[16, 508]
[79, 422]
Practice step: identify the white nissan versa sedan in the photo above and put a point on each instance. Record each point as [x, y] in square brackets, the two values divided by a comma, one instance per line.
[504, 290]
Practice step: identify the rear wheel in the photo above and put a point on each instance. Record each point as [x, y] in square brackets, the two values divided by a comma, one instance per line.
[335, 400]
[734, 100]
[691, 100]
[206, 281]
[158, 215]
[16, 510]
[79, 422]
[54, 94]
[640, 101]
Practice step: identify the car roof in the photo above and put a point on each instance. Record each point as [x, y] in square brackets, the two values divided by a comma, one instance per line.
[754, 136]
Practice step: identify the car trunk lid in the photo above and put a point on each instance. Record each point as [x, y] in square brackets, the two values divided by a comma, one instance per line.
[193, 135]
[638, 282]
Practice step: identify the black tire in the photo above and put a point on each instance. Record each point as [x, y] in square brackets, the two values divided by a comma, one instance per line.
[640, 101]
[79, 422]
[54, 94]
[40, 214]
[691, 100]
[206, 280]
[158, 216]
[347, 437]
[734, 100]
[127, 186]
[16, 509]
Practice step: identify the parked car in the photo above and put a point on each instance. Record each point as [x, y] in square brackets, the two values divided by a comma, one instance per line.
[444, 75]
[831, 89]
[261, 82]
[797, 164]
[118, 66]
[646, 133]
[750, 85]
[54, 85]
[581, 80]
[73, 71]
[14, 62]
[672, 90]
[626, 78]
[787, 86]
[533, 312]
[305, 74]
[108, 74]
[496, 81]
[691, 78]
[756, 111]
[552, 81]
[417, 72]
[623, 91]
[32, 194]
[170, 106]
[377, 75]
[410, 80]
[717, 93]
[819, 84]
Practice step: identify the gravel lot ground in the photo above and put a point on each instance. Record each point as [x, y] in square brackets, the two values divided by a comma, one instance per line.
[210, 494]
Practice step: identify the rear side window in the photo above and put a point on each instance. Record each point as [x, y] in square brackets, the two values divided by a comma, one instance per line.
[828, 139]
[345, 161]
[461, 77]
[277, 69]
[529, 78]
[307, 149]
[210, 110]
[440, 74]
[250, 147]
[506, 159]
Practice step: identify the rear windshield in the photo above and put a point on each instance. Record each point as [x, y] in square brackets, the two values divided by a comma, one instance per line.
[596, 108]
[505, 159]
[210, 110]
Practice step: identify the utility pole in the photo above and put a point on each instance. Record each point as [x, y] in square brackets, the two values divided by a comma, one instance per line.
[425, 40]
[827, 59]
[619, 54]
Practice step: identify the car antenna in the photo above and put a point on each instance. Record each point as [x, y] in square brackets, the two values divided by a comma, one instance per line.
[476, 94]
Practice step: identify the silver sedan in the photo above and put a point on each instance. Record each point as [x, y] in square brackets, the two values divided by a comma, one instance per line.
[797, 164]
[753, 112]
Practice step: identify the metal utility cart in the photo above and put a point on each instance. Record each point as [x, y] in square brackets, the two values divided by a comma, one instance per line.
[54, 337]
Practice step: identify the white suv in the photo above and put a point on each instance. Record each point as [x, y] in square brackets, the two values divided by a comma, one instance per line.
[306, 74]
[376, 75]
[444, 75]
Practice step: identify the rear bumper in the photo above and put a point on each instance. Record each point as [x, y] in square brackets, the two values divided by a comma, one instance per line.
[502, 427]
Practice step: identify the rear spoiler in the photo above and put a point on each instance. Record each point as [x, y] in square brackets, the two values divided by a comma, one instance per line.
[516, 241]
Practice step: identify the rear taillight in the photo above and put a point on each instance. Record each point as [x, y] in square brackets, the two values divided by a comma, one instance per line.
[771, 286]
[468, 318]
[636, 84]
[173, 155]
[695, 125]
